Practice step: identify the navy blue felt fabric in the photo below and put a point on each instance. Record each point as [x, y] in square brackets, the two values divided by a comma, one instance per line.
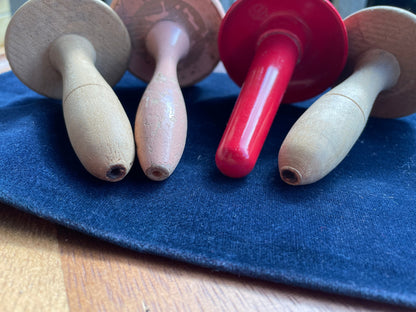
[352, 233]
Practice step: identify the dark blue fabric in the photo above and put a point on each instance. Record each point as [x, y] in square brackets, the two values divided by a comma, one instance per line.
[352, 233]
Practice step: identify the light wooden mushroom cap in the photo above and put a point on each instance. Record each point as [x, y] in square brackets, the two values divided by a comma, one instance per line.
[39, 22]
[394, 30]
[201, 20]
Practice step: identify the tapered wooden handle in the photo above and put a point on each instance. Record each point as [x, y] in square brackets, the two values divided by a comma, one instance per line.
[326, 132]
[98, 127]
[161, 121]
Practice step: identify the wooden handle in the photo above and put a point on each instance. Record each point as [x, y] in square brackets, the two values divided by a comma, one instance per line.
[326, 132]
[98, 127]
[161, 121]
[257, 104]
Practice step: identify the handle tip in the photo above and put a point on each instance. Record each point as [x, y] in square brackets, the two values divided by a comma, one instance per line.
[234, 163]
[116, 173]
[157, 173]
[291, 176]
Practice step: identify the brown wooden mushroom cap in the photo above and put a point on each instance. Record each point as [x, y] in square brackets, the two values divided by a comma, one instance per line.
[200, 18]
[394, 30]
[39, 22]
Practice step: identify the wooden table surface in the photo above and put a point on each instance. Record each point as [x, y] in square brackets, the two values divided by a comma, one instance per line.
[45, 267]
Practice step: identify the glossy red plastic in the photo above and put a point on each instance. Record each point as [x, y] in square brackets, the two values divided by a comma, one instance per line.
[286, 50]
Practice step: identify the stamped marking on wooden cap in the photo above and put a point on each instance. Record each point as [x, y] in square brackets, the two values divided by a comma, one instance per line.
[201, 20]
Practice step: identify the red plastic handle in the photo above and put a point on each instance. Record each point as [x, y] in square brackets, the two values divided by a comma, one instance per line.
[260, 97]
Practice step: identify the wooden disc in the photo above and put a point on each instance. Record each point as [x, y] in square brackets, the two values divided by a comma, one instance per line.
[39, 22]
[394, 30]
[200, 18]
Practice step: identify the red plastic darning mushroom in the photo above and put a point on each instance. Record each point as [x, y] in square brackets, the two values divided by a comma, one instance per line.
[288, 50]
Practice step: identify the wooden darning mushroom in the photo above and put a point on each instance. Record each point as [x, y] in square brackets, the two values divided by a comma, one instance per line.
[382, 46]
[76, 50]
[174, 45]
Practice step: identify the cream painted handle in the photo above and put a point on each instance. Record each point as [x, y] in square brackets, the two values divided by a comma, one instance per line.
[98, 127]
[161, 121]
[326, 132]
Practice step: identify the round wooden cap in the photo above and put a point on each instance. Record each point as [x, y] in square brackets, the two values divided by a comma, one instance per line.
[394, 30]
[201, 20]
[317, 26]
[38, 23]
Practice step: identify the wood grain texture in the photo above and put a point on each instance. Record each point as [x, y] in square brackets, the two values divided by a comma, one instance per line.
[31, 277]
[63, 270]
[44, 267]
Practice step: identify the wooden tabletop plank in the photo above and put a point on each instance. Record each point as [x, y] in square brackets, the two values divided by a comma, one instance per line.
[31, 276]
[104, 277]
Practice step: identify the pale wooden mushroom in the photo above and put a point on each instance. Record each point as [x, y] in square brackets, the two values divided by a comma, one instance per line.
[382, 47]
[76, 50]
[174, 45]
